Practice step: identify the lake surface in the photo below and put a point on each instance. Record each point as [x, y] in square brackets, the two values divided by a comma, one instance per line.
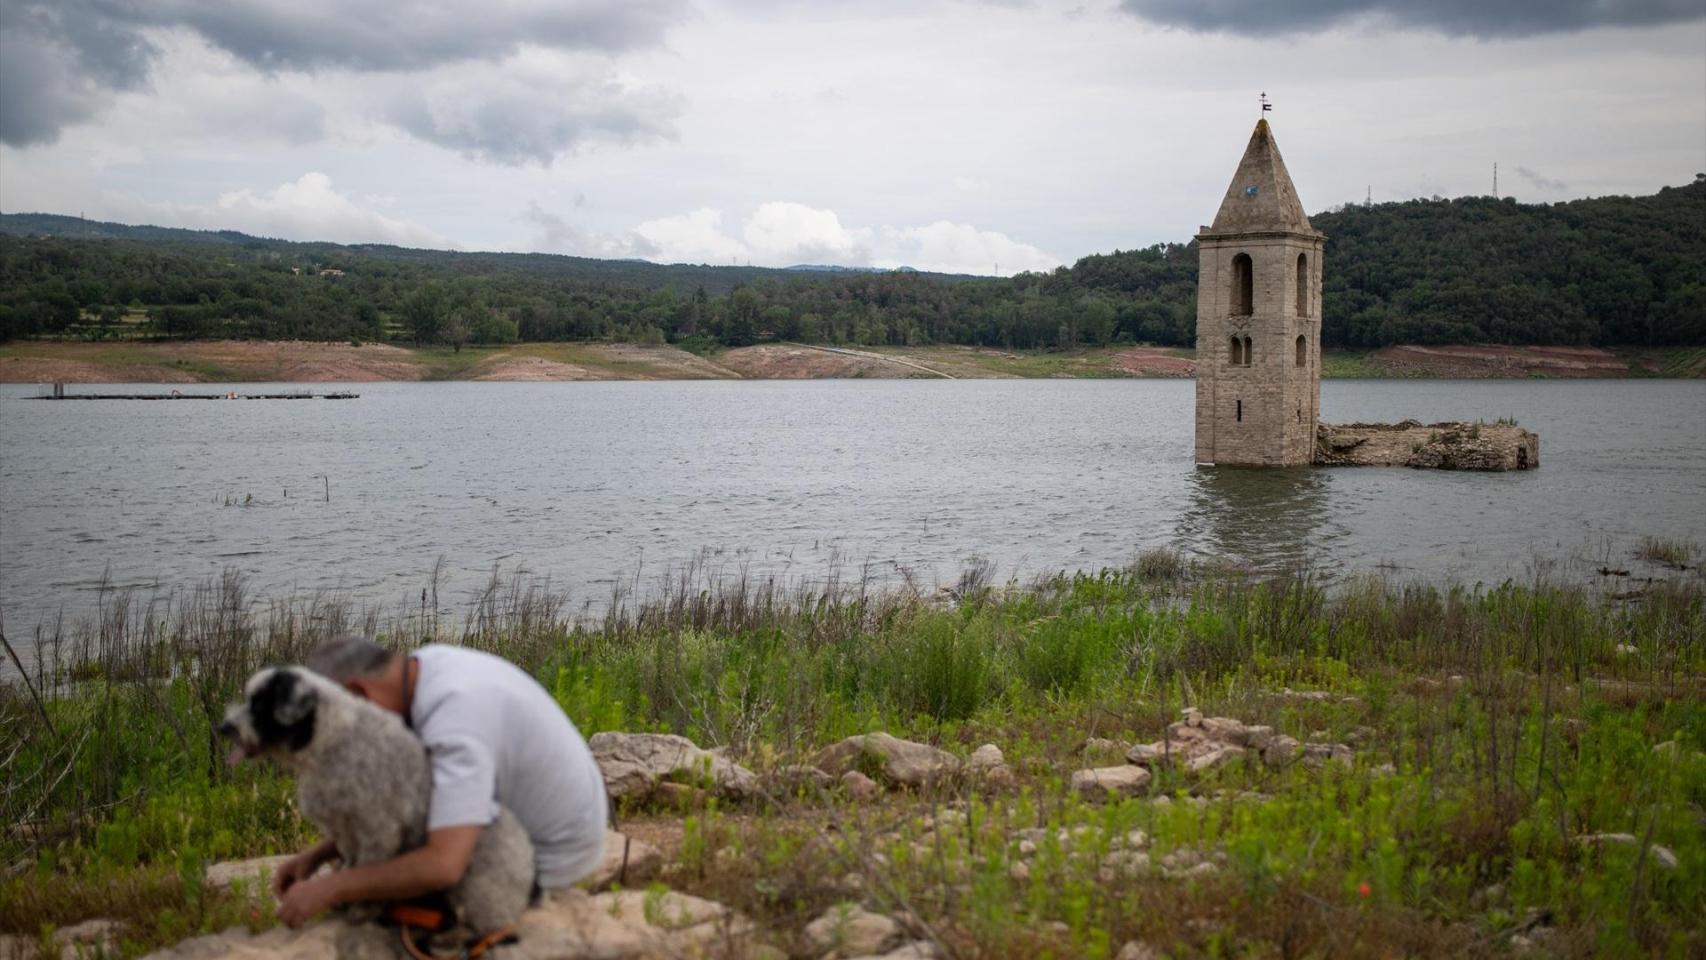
[588, 483]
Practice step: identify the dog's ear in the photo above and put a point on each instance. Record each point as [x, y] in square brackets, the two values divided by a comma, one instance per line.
[283, 710]
[297, 702]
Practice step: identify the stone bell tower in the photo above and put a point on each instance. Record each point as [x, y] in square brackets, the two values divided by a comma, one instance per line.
[1259, 319]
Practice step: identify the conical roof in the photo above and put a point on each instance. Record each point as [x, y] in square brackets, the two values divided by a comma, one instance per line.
[1261, 198]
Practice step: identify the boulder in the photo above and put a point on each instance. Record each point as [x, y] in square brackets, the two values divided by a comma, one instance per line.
[901, 762]
[798, 777]
[626, 861]
[849, 930]
[1214, 758]
[986, 757]
[1316, 754]
[635, 763]
[1106, 783]
[859, 786]
[1281, 750]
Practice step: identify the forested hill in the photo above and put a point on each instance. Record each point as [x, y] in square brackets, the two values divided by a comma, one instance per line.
[1611, 270]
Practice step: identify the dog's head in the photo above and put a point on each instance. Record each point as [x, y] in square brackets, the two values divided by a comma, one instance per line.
[276, 714]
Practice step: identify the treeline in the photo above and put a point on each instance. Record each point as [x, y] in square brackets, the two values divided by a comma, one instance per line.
[1612, 270]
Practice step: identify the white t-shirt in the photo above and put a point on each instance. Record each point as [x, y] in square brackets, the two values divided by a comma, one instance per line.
[496, 737]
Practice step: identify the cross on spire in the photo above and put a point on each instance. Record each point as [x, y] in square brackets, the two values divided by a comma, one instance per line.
[1266, 104]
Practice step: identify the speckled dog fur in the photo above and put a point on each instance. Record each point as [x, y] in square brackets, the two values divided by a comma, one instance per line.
[364, 779]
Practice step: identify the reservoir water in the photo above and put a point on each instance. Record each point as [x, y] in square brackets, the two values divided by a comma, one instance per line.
[589, 483]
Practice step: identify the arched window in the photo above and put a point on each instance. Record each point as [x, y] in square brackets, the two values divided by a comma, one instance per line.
[1302, 285]
[1237, 352]
[1249, 352]
[1243, 285]
[1302, 350]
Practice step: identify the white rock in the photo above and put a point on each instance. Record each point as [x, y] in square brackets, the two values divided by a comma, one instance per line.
[643, 862]
[1103, 783]
[1133, 950]
[986, 757]
[1214, 758]
[634, 763]
[1663, 857]
[849, 930]
[902, 762]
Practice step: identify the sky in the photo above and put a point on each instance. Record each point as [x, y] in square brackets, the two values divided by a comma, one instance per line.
[978, 137]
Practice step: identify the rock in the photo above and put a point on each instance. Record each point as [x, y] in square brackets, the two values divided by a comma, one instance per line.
[626, 925]
[1122, 864]
[256, 873]
[1663, 857]
[1019, 871]
[916, 950]
[1134, 950]
[901, 762]
[1225, 730]
[643, 862]
[859, 786]
[986, 757]
[1101, 749]
[677, 796]
[1214, 758]
[799, 778]
[635, 763]
[849, 930]
[1146, 754]
[1316, 754]
[1104, 783]
[1281, 750]
[1191, 717]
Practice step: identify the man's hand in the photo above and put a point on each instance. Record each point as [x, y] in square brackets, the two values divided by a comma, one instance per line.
[301, 867]
[307, 899]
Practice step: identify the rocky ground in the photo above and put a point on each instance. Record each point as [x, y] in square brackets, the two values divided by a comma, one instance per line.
[1436, 446]
[304, 362]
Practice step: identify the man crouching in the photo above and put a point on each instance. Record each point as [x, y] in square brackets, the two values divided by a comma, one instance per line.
[495, 738]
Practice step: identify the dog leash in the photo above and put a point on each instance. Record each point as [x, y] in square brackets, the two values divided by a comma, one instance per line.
[410, 917]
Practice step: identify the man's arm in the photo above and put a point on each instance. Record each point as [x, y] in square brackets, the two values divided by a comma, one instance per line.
[302, 866]
[438, 865]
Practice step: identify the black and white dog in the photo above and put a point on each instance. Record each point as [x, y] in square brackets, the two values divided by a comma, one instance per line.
[364, 779]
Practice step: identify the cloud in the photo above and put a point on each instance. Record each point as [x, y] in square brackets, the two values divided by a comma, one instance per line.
[1543, 183]
[61, 62]
[1472, 18]
[310, 209]
[557, 235]
[531, 108]
[781, 233]
[695, 237]
[961, 248]
[788, 233]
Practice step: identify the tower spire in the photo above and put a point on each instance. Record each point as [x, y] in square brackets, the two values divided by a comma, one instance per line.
[1261, 196]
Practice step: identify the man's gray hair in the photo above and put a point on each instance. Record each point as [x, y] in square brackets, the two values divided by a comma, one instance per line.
[347, 657]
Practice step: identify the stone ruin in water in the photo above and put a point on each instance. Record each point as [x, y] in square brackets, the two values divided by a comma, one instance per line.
[1259, 347]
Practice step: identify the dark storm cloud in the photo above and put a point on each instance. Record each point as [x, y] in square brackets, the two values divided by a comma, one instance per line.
[61, 61]
[1474, 18]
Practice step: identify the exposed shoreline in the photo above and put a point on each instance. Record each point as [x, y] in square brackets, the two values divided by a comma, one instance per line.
[238, 361]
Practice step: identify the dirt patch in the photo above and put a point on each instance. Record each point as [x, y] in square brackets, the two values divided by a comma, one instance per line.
[660, 362]
[51, 370]
[776, 361]
[1497, 361]
[1152, 362]
[502, 367]
[200, 361]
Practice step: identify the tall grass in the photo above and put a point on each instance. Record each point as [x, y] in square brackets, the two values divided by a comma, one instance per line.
[1515, 717]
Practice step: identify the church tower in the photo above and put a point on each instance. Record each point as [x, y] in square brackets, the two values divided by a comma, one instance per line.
[1259, 319]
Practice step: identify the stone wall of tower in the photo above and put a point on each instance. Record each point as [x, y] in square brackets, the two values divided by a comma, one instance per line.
[1260, 413]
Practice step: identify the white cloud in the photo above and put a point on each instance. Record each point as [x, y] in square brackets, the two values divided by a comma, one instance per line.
[695, 237]
[784, 233]
[310, 209]
[961, 248]
[781, 233]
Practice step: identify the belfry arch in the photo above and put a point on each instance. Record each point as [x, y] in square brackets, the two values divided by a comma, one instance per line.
[1243, 285]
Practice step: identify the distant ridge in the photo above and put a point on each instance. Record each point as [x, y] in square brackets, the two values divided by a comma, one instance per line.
[727, 277]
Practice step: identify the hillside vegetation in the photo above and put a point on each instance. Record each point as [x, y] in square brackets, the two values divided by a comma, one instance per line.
[1611, 270]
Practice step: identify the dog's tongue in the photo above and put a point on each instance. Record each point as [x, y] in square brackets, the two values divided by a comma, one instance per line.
[236, 755]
